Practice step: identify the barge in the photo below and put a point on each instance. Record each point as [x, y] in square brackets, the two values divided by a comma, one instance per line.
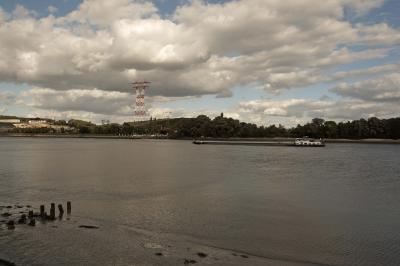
[299, 142]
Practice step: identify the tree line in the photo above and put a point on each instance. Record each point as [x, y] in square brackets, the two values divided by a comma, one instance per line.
[223, 127]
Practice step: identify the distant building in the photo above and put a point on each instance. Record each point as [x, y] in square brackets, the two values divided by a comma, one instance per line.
[34, 124]
[10, 121]
[37, 122]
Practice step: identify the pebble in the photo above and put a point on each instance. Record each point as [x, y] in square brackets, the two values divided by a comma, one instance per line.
[201, 254]
[187, 261]
[89, 226]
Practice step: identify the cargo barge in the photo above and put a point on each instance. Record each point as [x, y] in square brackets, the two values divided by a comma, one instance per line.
[299, 142]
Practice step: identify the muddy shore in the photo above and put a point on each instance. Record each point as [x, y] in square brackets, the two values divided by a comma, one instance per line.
[76, 240]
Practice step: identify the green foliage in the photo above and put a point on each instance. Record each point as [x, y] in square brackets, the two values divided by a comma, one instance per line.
[223, 127]
[356, 129]
[40, 130]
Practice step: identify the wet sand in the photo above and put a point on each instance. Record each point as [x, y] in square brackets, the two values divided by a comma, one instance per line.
[58, 239]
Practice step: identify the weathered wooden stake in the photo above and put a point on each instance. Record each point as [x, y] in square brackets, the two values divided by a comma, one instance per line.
[60, 209]
[42, 214]
[22, 219]
[53, 211]
[11, 225]
[32, 222]
[68, 207]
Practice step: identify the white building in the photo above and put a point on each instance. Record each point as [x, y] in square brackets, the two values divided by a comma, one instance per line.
[10, 121]
[37, 122]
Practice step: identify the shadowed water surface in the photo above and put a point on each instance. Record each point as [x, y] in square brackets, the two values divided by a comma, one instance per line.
[338, 205]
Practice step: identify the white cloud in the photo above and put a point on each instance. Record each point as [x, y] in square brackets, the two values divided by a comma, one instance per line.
[95, 101]
[378, 34]
[3, 16]
[293, 111]
[382, 89]
[52, 9]
[201, 49]
[361, 7]
[377, 70]
[105, 12]
[20, 12]
[240, 42]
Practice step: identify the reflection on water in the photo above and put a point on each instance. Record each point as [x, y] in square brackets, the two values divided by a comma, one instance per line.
[338, 205]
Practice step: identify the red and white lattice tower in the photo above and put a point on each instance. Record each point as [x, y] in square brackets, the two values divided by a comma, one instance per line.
[140, 108]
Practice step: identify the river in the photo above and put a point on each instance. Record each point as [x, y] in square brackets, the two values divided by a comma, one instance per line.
[338, 205]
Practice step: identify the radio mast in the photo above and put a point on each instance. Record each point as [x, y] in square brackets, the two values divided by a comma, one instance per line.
[140, 88]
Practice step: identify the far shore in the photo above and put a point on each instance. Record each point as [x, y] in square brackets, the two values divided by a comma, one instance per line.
[93, 136]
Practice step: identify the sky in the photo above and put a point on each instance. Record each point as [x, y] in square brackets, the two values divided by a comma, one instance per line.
[260, 61]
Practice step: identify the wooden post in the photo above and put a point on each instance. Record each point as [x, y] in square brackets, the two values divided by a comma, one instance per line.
[11, 225]
[32, 222]
[22, 219]
[60, 208]
[53, 211]
[68, 207]
[42, 211]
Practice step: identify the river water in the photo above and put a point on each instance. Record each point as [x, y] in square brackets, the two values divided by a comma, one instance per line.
[338, 205]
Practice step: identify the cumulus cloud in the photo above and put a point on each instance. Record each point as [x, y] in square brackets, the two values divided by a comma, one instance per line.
[382, 89]
[20, 12]
[371, 71]
[203, 49]
[95, 101]
[3, 15]
[105, 12]
[361, 7]
[294, 110]
[85, 60]
[52, 9]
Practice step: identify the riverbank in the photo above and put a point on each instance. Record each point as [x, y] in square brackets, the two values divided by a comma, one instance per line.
[273, 140]
[62, 240]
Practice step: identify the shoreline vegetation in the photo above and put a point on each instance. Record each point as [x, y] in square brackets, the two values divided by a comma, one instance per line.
[371, 130]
